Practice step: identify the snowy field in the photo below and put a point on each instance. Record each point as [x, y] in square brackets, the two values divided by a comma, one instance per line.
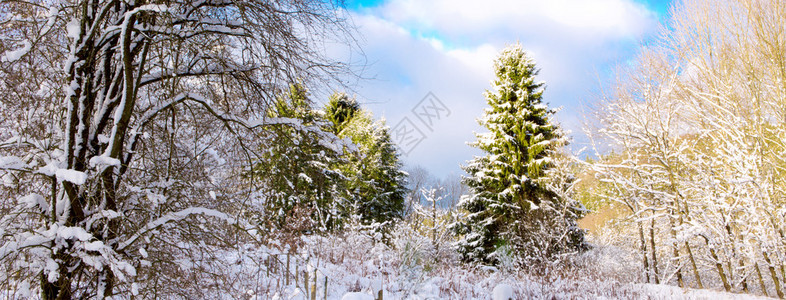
[354, 267]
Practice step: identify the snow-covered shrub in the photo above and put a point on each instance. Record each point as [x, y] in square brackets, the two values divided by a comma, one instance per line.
[413, 251]
[416, 253]
[507, 261]
[609, 262]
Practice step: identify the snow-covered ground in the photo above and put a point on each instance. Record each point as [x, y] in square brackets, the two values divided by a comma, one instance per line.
[353, 266]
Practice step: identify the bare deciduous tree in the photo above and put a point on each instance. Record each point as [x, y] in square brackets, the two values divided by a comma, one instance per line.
[126, 128]
[699, 128]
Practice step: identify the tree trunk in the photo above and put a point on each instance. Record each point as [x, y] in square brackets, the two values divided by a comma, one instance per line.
[773, 274]
[644, 254]
[693, 263]
[733, 254]
[783, 274]
[761, 280]
[654, 252]
[718, 264]
[314, 287]
[61, 289]
[744, 276]
[783, 242]
[683, 215]
[676, 250]
[731, 272]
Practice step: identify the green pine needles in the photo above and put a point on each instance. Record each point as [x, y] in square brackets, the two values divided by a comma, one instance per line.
[323, 168]
[511, 202]
[376, 181]
[298, 173]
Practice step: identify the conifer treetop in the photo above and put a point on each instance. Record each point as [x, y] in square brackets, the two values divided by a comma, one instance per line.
[520, 125]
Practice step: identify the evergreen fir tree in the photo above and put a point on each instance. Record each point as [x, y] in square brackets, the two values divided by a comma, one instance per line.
[507, 185]
[376, 179]
[304, 191]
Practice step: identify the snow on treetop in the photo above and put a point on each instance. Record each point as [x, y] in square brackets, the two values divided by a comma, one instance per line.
[513, 53]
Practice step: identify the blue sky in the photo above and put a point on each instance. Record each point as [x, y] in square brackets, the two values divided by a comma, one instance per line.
[412, 48]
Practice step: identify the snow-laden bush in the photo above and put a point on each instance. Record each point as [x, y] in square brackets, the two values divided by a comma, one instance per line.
[356, 261]
[610, 258]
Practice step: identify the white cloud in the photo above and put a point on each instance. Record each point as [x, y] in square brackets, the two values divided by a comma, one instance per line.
[448, 48]
[478, 58]
[472, 19]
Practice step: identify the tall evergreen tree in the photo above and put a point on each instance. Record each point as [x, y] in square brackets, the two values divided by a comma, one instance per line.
[374, 170]
[304, 190]
[508, 185]
[314, 183]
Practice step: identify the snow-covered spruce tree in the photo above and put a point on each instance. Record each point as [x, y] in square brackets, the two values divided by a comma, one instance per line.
[125, 125]
[304, 191]
[374, 170]
[510, 206]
